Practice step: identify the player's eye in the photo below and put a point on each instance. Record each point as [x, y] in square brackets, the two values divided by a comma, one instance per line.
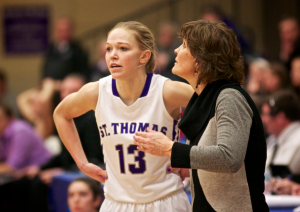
[124, 48]
[107, 49]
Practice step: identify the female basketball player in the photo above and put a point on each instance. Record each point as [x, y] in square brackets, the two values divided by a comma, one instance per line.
[131, 99]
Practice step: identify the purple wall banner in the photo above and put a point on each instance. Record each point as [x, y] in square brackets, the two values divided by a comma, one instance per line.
[26, 29]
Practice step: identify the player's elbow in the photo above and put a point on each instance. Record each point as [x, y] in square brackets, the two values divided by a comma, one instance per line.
[58, 113]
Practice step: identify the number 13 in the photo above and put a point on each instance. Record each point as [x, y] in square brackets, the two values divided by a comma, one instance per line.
[133, 168]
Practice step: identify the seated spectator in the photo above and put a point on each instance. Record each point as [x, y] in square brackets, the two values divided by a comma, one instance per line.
[280, 115]
[84, 195]
[214, 13]
[286, 187]
[20, 146]
[64, 56]
[35, 186]
[100, 69]
[295, 75]
[256, 72]
[6, 97]
[289, 33]
[36, 105]
[274, 78]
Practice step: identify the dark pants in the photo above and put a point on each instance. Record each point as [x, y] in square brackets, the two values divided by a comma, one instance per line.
[24, 195]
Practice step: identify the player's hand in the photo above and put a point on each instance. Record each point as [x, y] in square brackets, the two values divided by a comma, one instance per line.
[154, 143]
[94, 172]
[181, 171]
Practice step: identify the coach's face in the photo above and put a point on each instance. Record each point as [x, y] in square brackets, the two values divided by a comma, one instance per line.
[185, 64]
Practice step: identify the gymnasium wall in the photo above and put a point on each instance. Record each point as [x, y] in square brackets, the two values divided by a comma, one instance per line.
[24, 70]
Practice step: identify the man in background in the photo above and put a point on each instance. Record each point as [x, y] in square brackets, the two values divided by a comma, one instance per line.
[64, 56]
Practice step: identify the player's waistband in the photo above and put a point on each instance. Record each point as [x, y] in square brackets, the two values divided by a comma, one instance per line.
[164, 197]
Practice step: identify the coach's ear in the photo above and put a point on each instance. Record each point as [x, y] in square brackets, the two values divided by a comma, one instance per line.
[145, 57]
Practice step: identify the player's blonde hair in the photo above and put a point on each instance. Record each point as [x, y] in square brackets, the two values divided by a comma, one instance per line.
[145, 39]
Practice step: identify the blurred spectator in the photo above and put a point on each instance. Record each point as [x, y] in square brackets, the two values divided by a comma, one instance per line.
[84, 195]
[166, 43]
[64, 56]
[281, 116]
[100, 69]
[286, 187]
[289, 33]
[20, 146]
[39, 177]
[7, 97]
[256, 72]
[213, 13]
[36, 105]
[274, 78]
[295, 75]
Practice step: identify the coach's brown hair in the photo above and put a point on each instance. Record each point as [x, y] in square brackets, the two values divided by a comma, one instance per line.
[216, 50]
[145, 39]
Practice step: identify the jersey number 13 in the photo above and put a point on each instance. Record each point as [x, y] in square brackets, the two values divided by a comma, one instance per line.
[133, 168]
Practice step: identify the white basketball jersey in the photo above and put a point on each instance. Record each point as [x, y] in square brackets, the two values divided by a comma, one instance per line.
[134, 176]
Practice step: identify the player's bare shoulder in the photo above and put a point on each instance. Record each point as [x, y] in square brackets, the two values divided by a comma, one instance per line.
[90, 93]
[177, 93]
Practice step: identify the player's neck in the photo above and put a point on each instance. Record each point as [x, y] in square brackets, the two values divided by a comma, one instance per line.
[131, 88]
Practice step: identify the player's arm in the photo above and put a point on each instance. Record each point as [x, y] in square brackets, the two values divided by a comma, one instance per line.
[73, 106]
[176, 95]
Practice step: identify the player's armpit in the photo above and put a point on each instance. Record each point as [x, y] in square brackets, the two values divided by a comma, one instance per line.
[176, 95]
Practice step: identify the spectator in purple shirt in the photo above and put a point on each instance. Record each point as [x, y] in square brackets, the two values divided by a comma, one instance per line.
[20, 146]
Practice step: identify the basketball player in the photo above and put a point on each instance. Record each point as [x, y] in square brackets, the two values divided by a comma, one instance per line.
[131, 99]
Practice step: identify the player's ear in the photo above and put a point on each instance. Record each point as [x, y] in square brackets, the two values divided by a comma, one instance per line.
[145, 57]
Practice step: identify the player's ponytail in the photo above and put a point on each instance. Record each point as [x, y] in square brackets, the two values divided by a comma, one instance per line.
[144, 38]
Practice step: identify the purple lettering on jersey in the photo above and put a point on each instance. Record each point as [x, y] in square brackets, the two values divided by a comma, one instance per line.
[164, 130]
[124, 127]
[142, 128]
[101, 132]
[115, 125]
[133, 168]
[104, 127]
[121, 157]
[132, 127]
[155, 127]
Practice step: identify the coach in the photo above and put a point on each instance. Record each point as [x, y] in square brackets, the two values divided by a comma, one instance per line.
[226, 151]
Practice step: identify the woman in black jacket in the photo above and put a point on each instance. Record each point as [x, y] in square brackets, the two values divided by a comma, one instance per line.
[226, 151]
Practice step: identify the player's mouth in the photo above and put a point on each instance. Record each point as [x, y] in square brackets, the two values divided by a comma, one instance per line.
[115, 66]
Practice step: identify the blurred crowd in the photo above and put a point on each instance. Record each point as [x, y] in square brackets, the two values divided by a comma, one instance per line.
[31, 152]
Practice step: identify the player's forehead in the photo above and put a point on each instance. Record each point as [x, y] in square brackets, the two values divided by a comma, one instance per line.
[121, 36]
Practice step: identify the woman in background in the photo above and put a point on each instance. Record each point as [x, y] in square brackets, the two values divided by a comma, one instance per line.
[84, 195]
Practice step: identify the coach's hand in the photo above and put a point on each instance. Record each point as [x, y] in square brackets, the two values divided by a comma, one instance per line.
[94, 172]
[154, 143]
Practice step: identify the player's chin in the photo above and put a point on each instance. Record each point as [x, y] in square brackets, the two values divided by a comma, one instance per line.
[116, 74]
